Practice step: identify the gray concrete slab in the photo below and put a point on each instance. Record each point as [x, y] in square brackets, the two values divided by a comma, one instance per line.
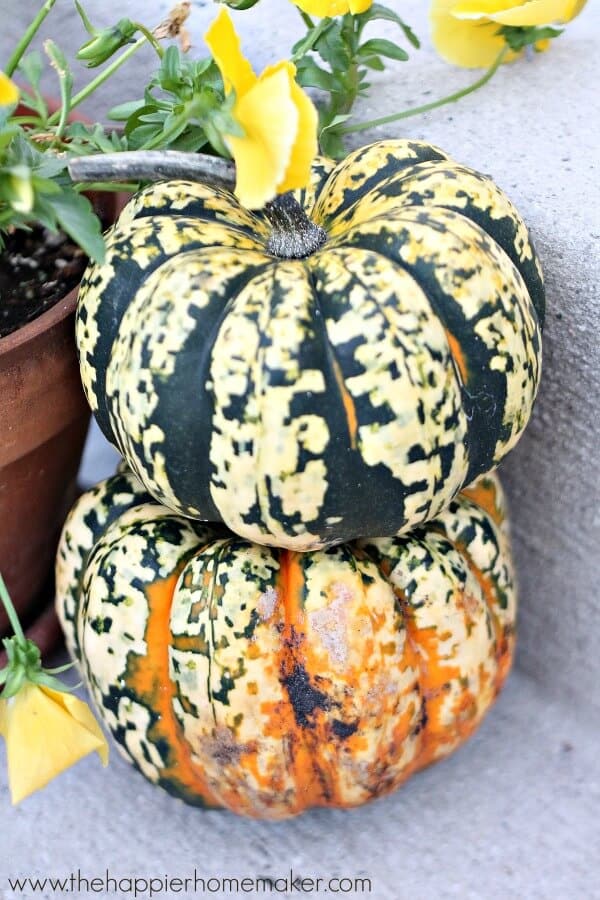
[514, 814]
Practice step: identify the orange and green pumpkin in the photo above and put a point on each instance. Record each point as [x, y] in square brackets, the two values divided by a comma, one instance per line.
[268, 681]
[306, 401]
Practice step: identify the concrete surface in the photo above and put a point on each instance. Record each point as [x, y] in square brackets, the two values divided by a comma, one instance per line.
[516, 813]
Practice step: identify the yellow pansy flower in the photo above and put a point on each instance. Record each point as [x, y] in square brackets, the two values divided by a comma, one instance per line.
[9, 92]
[332, 8]
[279, 121]
[46, 731]
[465, 31]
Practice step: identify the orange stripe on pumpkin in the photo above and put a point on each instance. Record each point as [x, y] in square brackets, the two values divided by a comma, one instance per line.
[485, 495]
[458, 357]
[348, 401]
[149, 677]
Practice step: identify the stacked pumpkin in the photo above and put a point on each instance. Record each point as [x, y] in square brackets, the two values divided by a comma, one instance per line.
[354, 360]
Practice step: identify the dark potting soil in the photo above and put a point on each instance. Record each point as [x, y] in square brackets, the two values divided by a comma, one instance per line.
[37, 269]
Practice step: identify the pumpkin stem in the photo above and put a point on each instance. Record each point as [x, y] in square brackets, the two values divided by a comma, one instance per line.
[153, 165]
[294, 236]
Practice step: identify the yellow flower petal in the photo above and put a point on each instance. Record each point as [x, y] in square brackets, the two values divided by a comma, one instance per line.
[46, 731]
[269, 117]
[466, 43]
[359, 6]
[479, 9]
[509, 12]
[9, 92]
[537, 12]
[305, 147]
[324, 8]
[224, 44]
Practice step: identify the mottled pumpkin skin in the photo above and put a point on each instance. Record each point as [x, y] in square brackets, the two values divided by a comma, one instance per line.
[267, 681]
[305, 402]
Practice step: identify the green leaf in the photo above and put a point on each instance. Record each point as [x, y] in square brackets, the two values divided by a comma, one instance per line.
[337, 120]
[141, 135]
[332, 144]
[382, 47]
[309, 74]
[191, 141]
[76, 216]
[378, 11]
[373, 62]
[45, 186]
[330, 140]
[518, 37]
[123, 111]
[332, 48]
[169, 74]
[32, 66]
[307, 43]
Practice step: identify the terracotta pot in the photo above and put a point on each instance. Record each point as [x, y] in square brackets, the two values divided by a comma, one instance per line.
[43, 424]
[44, 418]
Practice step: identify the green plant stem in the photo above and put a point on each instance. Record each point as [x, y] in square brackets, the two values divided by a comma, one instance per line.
[150, 38]
[65, 83]
[11, 611]
[85, 92]
[27, 38]
[417, 110]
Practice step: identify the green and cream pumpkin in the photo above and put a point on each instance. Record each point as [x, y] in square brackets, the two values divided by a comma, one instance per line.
[307, 401]
[268, 681]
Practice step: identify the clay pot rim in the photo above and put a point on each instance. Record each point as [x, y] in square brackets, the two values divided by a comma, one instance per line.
[44, 322]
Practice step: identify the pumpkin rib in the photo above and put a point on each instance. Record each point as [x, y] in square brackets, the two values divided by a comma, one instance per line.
[306, 775]
[156, 666]
[167, 417]
[359, 162]
[435, 679]
[343, 218]
[285, 410]
[437, 295]
[430, 697]
[422, 438]
[403, 607]
[96, 511]
[345, 396]
[402, 209]
[459, 366]
[146, 680]
[484, 494]
[504, 635]
[491, 589]
[448, 173]
[141, 248]
[189, 199]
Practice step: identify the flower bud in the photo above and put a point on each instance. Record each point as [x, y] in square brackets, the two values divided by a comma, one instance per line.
[239, 4]
[20, 190]
[105, 42]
